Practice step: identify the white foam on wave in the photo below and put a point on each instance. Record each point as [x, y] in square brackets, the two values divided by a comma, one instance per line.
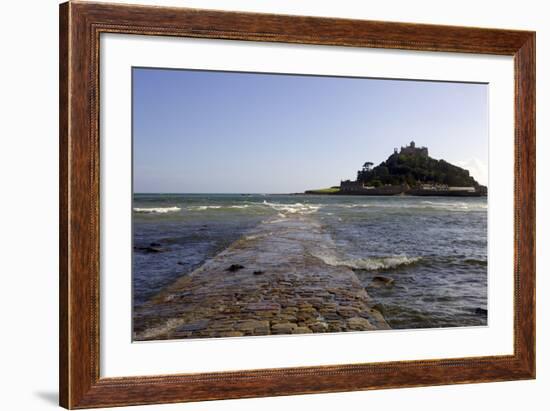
[455, 205]
[203, 207]
[368, 263]
[282, 218]
[157, 210]
[448, 206]
[296, 208]
[445, 206]
[216, 207]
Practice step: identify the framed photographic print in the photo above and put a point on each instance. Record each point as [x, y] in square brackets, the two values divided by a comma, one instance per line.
[257, 205]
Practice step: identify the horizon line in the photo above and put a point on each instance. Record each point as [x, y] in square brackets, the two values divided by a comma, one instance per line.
[218, 192]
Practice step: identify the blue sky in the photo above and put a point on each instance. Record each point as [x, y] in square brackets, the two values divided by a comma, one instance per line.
[219, 132]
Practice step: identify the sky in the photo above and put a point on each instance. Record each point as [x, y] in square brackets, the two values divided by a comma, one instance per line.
[231, 132]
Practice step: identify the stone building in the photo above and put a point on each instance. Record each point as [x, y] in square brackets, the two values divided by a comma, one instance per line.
[411, 149]
[352, 186]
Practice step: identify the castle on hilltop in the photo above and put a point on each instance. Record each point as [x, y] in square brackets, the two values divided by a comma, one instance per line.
[411, 171]
[411, 149]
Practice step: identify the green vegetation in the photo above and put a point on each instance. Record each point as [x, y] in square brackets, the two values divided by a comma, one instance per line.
[330, 190]
[414, 169]
[407, 172]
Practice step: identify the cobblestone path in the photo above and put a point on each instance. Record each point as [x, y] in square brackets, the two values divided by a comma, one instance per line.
[269, 282]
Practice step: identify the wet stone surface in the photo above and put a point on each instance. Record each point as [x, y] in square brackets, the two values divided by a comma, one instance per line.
[296, 292]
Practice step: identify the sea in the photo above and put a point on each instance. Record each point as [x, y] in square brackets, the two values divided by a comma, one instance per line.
[429, 252]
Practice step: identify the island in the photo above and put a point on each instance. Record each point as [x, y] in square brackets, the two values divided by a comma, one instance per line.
[409, 171]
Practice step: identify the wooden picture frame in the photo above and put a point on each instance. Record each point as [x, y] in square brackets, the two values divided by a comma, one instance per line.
[80, 27]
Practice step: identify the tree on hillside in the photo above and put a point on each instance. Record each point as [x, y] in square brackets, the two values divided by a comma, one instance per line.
[367, 166]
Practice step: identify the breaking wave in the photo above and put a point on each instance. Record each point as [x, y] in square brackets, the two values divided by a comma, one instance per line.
[157, 210]
[296, 208]
[430, 205]
[216, 207]
[369, 263]
[454, 206]
[282, 209]
[203, 207]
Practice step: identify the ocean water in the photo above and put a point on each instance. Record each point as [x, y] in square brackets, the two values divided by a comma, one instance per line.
[433, 248]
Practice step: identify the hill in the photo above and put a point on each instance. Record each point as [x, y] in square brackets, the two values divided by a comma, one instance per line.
[410, 171]
[413, 166]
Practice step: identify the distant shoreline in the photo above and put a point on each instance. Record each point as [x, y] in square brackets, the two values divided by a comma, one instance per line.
[416, 194]
[324, 193]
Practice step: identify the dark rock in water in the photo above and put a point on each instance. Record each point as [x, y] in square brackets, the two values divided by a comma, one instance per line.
[379, 280]
[148, 249]
[234, 267]
[180, 263]
[258, 272]
[481, 311]
[154, 245]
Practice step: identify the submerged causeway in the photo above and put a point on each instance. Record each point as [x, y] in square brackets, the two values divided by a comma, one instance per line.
[268, 282]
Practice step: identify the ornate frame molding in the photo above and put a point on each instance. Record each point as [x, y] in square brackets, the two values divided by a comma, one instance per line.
[81, 24]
